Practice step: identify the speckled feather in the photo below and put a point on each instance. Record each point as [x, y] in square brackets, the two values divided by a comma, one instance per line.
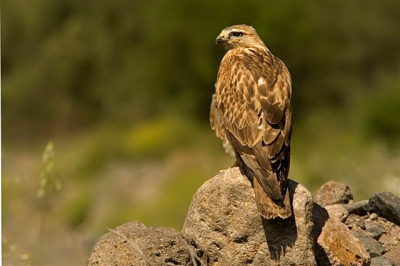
[251, 112]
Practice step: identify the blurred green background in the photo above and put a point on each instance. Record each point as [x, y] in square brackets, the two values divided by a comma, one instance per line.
[123, 88]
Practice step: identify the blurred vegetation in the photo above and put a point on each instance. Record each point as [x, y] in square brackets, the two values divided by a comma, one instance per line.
[123, 89]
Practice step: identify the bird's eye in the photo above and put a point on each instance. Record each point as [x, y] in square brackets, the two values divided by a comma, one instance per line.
[237, 34]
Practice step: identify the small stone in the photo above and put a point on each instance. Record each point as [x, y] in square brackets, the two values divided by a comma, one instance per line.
[332, 193]
[373, 247]
[381, 261]
[351, 219]
[375, 231]
[373, 216]
[387, 205]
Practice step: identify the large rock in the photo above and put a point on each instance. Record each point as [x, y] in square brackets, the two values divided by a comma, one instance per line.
[225, 228]
[335, 244]
[135, 244]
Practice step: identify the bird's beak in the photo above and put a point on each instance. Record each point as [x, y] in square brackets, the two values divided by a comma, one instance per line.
[220, 38]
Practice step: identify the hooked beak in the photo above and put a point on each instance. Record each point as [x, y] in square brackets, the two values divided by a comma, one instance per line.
[220, 38]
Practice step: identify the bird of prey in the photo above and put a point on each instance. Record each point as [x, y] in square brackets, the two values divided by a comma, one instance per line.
[251, 111]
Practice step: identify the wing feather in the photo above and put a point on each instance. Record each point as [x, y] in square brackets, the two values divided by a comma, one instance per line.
[252, 100]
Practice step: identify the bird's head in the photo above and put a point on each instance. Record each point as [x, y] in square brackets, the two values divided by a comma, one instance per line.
[239, 36]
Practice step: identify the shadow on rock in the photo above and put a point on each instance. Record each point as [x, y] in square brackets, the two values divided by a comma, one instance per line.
[280, 234]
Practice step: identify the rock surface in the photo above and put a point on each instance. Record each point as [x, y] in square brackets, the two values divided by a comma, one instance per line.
[381, 261]
[135, 244]
[380, 237]
[373, 247]
[358, 207]
[393, 256]
[332, 193]
[224, 225]
[387, 205]
[337, 211]
[335, 244]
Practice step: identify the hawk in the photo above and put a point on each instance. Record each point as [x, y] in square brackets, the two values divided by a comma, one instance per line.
[251, 111]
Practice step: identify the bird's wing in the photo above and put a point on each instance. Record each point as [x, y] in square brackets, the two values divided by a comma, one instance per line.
[253, 99]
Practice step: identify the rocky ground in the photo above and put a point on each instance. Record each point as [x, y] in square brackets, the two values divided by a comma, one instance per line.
[375, 222]
[223, 227]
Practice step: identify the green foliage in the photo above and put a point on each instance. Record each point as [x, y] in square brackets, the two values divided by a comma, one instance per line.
[155, 138]
[126, 62]
[175, 199]
[78, 208]
[381, 114]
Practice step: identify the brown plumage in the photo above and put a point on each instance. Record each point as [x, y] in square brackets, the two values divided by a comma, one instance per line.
[251, 112]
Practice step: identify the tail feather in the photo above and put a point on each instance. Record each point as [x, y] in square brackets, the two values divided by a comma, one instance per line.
[268, 208]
